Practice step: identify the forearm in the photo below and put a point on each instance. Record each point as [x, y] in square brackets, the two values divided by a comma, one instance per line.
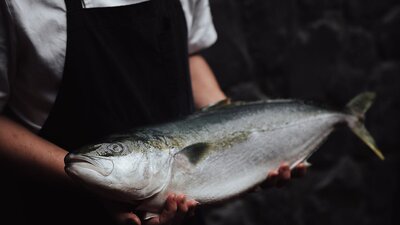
[31, 154]
[206, 89]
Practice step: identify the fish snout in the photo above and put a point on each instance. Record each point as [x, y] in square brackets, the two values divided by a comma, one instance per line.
[99, 164]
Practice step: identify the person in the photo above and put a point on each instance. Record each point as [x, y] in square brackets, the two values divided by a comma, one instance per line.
[73, 71]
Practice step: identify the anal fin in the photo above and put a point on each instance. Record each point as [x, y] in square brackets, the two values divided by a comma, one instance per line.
[149, 215]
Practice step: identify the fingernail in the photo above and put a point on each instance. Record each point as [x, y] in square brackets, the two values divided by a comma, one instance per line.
[273, 173]
[183, 198]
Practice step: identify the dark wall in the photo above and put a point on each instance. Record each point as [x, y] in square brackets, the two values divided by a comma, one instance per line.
[323, 50]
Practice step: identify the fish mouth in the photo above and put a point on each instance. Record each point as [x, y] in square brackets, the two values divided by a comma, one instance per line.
[98, 164]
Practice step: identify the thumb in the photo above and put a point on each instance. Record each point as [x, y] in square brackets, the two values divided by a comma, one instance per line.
[127, 218]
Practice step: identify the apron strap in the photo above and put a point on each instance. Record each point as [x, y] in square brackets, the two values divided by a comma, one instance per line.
[74, 4]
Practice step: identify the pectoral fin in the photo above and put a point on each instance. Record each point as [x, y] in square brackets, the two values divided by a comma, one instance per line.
[217, 105]
[148, 216]
[194, 153]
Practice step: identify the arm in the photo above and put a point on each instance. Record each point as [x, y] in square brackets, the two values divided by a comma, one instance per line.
[206, 89]
[32, 154]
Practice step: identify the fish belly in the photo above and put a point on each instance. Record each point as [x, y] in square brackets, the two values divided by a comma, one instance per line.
[228, 172]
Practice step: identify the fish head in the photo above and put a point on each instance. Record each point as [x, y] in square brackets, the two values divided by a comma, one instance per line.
[116, 170]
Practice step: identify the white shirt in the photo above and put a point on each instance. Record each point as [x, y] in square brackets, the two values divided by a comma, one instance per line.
[33, 45]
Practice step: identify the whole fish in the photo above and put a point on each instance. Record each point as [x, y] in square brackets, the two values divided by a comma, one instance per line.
[212, 155]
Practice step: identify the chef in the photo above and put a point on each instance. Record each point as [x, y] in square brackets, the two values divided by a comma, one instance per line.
[74, 71]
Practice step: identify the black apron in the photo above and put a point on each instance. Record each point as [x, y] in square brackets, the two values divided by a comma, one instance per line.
[125, 67]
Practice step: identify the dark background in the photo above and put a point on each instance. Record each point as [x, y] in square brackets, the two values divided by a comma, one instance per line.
[322, 50]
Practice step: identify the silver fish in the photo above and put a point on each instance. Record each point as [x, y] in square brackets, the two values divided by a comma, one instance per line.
[212, 155]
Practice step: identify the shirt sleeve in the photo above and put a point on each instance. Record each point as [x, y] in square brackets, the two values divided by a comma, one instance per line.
[201, 30]
[4, 77]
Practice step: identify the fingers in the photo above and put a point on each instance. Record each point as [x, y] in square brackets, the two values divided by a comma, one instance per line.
[272, 179]
[279, 177]
[284, 175]
[192, 206]
[175, 211]
[300, 170]
[127, 218]
[169, 212]
[121, 213]
[131, 219]
[182, 209]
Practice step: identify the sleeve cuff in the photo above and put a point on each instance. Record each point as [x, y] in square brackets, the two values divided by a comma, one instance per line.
[204, 38]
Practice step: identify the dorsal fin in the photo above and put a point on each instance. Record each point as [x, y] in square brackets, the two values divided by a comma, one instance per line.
[195, 152]
[217, 105]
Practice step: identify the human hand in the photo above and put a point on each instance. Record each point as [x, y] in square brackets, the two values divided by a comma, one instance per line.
[176, 209]
[282, 176]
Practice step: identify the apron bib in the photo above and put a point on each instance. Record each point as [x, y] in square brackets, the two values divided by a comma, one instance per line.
[125, 67]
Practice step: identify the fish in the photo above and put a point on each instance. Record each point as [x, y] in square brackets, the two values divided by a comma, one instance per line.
[212, 155]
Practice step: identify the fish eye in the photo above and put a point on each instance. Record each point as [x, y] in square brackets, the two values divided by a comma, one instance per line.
[116, 147]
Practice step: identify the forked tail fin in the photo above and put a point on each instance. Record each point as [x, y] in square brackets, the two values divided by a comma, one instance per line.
[358, 106]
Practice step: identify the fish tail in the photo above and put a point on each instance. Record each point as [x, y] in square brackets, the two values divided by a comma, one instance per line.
[357, 107]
